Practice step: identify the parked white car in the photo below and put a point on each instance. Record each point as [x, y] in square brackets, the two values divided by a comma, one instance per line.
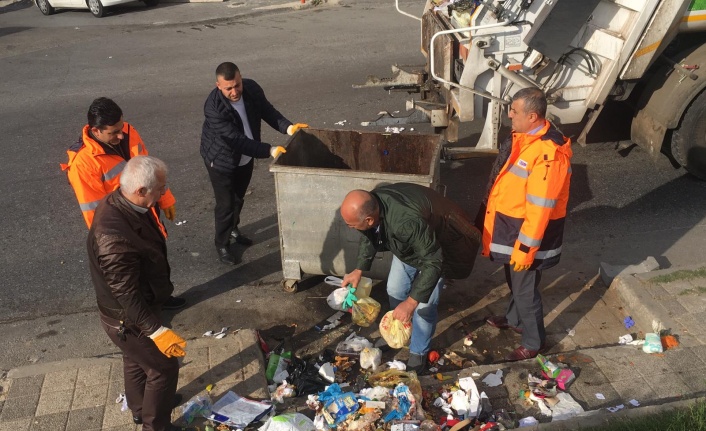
[97, 7]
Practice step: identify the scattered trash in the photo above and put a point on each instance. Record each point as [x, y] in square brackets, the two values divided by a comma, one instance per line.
[564, 379]
[341, 123]
[327, 372]
[336, 298]
[122, 399]
[625, 339]
[629, 323]
[616, 408]
[494, 379]
[600, 396]
[277, 363]
[179, 223]
[285, 390]
[389, 129]
[565, 408]
[397, 365]
[653, 343]
[353, 345]
[337, 405]
[528, 421]
[433, 356]
[454, 358]
[234, 410]
[635, 403]
[370, 357]
[288, 422]
[548, 367]
[669, 342]
[571, 332]
[197, 406]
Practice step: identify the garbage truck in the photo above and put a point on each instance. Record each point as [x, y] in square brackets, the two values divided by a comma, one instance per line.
[582, 53]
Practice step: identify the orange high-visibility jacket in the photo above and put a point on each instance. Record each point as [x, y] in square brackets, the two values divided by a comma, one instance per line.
[524, 220]
[93, 174]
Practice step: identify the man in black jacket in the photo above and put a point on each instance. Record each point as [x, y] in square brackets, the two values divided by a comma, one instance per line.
[230, 139]
[127, 257]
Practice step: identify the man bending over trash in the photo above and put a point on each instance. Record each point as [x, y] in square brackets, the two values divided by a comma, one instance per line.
[430, 237]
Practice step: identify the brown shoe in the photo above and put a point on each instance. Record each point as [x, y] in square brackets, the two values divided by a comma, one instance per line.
[522, 353]
[501, 322]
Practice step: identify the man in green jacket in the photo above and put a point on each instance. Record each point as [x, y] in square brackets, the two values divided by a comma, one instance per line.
[431, 238]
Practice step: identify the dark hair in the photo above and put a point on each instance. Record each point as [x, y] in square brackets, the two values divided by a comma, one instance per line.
[534, 101]
[103, 112]
[227, 70]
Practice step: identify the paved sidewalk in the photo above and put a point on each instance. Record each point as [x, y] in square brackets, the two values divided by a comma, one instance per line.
[80, 394]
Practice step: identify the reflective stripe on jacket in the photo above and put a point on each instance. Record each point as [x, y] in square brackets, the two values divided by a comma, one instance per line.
[524, 220]
[93, 173]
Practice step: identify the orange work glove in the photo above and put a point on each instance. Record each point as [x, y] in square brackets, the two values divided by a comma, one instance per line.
[168, 342]
[276, 151]
[294, 127]
[170, 212]
[519, 267]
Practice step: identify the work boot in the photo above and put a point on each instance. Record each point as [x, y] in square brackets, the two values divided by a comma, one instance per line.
[174, 303]
[226, 257]
[239, 238]
[416, 362]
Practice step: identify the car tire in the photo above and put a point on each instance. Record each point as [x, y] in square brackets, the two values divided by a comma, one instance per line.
[689, 139]
[45, 7]
[151, 3]
[96, 8]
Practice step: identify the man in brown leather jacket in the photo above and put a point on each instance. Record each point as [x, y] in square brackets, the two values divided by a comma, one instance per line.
[128, 262]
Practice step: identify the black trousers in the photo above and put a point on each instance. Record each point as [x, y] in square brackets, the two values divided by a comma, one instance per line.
[229, 190]
[150, 379]
[525, 309]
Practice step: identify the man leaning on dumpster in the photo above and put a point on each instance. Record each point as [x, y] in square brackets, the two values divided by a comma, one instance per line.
[230, 139]
[431, 238]
[127, 257]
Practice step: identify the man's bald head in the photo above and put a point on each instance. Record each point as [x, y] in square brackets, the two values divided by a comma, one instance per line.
[360, 210]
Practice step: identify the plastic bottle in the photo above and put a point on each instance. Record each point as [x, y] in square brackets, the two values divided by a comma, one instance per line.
[364, 287]
[273, 362]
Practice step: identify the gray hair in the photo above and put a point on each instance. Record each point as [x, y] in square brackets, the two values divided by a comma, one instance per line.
[141, 171]
[534, 101]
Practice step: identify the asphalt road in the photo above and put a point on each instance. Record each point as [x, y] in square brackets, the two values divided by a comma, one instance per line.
[158, 65]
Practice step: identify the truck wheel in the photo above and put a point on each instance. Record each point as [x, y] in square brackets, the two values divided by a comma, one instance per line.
[689, 139]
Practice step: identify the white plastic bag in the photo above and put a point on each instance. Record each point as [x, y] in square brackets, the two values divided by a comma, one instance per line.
[288, 422]
[370, 357]
[336, 298]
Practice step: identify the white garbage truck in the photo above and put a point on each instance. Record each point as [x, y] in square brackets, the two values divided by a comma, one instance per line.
[581, 53]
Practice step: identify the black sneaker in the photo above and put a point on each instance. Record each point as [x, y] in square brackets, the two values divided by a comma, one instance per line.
[174, 303]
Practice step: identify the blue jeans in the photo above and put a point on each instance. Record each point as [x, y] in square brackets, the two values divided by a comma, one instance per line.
[399, 284]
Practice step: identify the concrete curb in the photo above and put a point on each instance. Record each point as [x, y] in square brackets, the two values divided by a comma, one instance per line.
[640, 303]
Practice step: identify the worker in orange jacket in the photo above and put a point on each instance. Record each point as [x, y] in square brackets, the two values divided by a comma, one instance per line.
[524, 215]
[98, 158]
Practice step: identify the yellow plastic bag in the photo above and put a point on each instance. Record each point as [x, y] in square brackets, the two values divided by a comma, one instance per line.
[365, 311]
[395, 332]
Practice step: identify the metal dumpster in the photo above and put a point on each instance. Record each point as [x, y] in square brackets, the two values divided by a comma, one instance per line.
[311, 179]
